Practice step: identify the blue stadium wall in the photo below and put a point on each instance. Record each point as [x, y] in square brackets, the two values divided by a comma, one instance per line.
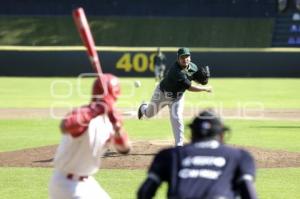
[133, 62]
[169, 8]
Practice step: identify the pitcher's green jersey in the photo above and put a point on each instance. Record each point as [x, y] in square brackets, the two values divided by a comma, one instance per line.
[177, 80]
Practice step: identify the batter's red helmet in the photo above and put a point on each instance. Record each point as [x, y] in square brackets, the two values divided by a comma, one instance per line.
[111, 87]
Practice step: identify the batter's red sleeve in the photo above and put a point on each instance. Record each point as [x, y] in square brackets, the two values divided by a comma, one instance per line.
[76, 123]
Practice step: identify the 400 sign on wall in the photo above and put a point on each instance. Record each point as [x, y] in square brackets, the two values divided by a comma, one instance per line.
[136, 62]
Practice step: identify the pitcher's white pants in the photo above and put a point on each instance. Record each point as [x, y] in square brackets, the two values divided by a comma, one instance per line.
[161, 99]
[61, 187]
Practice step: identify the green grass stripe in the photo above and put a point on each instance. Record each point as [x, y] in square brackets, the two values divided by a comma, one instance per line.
[25, 183]
[22, 134]
[280, 135]
[278, 183]
[32, 183]
[236, 93]
[277, 135]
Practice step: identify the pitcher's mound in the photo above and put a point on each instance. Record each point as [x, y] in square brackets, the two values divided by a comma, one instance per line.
[139, 158]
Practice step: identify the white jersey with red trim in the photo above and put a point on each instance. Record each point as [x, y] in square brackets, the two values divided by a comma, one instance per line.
[82, 155]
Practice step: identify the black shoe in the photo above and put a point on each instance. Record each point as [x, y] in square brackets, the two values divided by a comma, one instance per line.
[140, 113]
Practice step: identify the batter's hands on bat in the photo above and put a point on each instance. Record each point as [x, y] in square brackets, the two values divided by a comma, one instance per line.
[121, 141]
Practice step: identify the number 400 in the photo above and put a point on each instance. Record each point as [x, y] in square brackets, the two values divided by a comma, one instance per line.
[139, 62]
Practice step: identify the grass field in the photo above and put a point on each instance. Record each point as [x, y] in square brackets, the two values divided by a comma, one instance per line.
[28, 183]
[228, 93]
[282, 135]
[31, 183]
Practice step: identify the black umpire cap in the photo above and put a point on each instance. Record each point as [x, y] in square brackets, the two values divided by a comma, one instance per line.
[207, 124]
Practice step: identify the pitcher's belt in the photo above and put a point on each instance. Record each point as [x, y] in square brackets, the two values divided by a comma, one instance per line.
[72, 176]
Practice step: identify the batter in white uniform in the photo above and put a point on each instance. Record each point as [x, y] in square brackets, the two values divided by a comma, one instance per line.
[86, 133]
[170, 92]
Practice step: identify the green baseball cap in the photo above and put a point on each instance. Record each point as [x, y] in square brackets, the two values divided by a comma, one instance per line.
[183, 51]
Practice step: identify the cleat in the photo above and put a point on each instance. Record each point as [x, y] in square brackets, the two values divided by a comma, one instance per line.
[140, 113]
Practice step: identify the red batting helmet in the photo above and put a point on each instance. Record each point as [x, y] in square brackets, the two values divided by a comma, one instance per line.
[111, 87]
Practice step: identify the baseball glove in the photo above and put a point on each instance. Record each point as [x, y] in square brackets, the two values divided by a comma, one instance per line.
[202, 75]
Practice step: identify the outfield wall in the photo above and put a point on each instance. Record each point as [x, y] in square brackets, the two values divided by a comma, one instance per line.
[133, 62]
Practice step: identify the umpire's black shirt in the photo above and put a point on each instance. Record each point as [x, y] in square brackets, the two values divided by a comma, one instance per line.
[204, 170]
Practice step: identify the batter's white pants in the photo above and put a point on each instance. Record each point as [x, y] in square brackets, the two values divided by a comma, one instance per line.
[61, 187]
[161, 99]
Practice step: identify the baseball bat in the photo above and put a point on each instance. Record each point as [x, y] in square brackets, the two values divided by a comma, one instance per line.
[88, 41]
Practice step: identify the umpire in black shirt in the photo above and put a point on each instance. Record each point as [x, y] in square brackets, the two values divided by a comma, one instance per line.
[204, 169]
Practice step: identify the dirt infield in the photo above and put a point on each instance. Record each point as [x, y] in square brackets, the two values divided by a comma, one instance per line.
[139, 158]
[143, 151]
